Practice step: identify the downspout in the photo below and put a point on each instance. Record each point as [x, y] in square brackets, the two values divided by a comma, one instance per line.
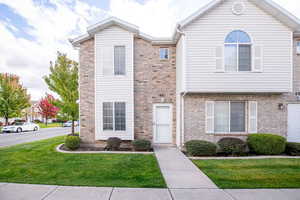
[179, 31]
[182, 97]
[182, 119]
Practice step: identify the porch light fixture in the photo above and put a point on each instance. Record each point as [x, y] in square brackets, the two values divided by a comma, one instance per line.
[280, 106]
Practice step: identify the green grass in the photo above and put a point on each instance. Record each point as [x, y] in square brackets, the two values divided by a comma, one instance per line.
[39, 163]
[50, 125]
[258, 173]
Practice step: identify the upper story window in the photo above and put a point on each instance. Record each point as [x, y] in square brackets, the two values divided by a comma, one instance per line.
[164, 53]
[237, 52]
[119, 60]
[298, 47]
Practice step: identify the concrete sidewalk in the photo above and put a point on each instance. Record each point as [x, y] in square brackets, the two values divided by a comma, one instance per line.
[179, 172]
[12, 191]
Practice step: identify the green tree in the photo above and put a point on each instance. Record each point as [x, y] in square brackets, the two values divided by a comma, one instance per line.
[63, 80]
[13, 97]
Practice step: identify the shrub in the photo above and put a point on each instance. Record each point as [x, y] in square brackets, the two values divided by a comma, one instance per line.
[141, 145]
[200, 148]
[232, 146]
[72, 142]
[266, 144]
[113, 144]
[293, 148]
[37, 121]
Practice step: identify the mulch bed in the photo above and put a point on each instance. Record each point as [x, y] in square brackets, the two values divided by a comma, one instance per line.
[122, 149]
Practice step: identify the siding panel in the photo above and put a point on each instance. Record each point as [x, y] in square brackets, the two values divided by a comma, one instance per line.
[110, 88]
[209, 32]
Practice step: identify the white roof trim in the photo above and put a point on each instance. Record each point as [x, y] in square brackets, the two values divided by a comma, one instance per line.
[76, 41]
[278, 12]
[91, 30]
[110, 22]
[156, 40]
[267, 5]
[199, 13]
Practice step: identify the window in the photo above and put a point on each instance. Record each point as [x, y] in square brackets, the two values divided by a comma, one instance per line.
[237, 52]
[120, 122]
[119, 60]
[108, 116]
[229, 117]
[164, 53]
[114, 116]
[298, 47]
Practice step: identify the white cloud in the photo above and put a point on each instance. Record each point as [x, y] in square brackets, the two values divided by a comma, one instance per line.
[52, 26]
[155, 17]
[158, 17]
[51, 29]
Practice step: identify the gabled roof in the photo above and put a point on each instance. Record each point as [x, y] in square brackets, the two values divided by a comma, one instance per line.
[113, 21]
[267, 5]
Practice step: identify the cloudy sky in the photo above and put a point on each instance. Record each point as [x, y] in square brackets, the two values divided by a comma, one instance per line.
[32, 31]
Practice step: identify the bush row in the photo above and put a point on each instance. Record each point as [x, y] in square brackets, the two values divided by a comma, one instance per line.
[112, 144]
[259, 144]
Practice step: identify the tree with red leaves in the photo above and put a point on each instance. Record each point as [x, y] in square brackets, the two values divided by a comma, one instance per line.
[46, 108]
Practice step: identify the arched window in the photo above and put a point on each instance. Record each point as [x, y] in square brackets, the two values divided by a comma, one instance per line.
[237, 52]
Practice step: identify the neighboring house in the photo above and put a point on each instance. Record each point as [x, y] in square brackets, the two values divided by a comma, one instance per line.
[32, 113]
[230, 69]
[28, 114]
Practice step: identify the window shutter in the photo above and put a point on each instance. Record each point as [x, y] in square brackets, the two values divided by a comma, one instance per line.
[258, 59]
[252, 110]
[219, 59]
[209, 114]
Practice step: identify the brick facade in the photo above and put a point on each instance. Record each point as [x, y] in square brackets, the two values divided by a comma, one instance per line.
[154, 82]
[270, 118]
[87, 92]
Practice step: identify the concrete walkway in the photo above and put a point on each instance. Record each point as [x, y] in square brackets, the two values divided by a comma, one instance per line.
[179, 172]
[12, 191]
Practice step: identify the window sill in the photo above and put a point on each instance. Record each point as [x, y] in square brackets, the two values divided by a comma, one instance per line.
[239, 72]
[228, 134]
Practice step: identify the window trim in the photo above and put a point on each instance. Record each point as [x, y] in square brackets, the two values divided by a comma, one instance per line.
[229, 119]
[168, 50]
[237, 44]
[113, 60]
[113, 114]
[298, 47]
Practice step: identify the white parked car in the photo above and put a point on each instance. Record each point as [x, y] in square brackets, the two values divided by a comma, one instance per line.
[20, 127]
[69, 124]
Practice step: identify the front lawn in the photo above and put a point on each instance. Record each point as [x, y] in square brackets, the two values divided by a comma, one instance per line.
[258, 173]
[39, 163]
[50, 125]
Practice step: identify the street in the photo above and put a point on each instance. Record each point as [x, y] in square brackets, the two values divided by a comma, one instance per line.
[10, 139]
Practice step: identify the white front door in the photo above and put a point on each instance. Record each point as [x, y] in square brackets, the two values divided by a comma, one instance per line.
[293, 123]
[162, 123]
